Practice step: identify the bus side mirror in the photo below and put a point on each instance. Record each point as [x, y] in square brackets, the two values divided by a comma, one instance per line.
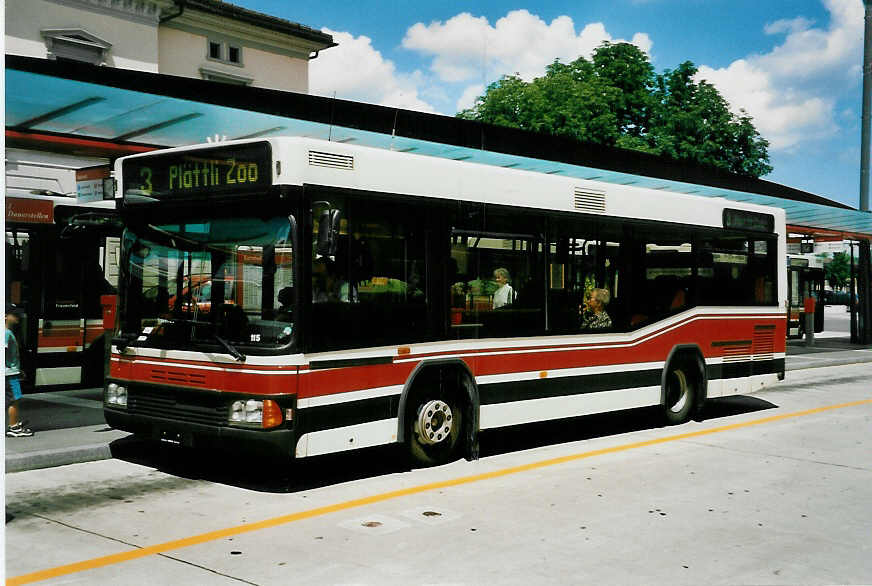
[328, 232]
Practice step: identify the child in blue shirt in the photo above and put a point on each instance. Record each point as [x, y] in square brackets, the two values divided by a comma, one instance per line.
[13, 376]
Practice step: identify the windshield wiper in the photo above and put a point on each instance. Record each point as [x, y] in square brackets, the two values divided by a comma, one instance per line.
[227, 345]
[233, 351]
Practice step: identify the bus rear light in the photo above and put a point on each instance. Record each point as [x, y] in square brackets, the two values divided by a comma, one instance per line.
[272, 414]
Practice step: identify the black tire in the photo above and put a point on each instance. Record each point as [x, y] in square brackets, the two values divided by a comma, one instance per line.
[434, 436]
[682, 388]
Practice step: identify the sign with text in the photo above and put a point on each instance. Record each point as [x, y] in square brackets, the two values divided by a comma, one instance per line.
[29, 211]
[198, 172]
[745, 220]
[89, 183]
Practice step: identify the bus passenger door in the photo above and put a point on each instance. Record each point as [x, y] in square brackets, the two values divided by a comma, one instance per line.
[61, 341]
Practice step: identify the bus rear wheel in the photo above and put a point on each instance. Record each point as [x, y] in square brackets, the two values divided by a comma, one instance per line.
[682, 385]
[434, 428]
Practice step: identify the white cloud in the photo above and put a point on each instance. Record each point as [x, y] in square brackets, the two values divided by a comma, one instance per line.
[355, 70]
[783, 116]
[794, 25]
[467, 98]
[790, 90]
[462, 49]
[466, 47]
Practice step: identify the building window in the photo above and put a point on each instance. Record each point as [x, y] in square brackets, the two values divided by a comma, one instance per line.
[234, 54]
[75, 45]
[224, 52]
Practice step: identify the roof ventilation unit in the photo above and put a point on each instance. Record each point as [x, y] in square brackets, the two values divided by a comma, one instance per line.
[592, 201]
[331, 160]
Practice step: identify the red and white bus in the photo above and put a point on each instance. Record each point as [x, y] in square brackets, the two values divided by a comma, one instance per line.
[354, 299]
[804, 281]
[56, 274]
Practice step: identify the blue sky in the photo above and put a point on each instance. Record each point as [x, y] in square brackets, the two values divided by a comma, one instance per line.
[795, 65]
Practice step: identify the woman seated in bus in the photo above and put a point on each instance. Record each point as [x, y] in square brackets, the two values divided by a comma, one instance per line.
[594, 316]
[504, 295]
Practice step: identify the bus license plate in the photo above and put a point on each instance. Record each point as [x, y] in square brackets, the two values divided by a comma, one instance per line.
[171, 437]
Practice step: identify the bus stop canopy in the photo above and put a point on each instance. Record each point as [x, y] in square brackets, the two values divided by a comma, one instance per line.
[84, 108]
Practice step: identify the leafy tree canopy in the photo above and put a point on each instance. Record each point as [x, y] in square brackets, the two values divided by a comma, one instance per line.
[617, 99]
[838, 271]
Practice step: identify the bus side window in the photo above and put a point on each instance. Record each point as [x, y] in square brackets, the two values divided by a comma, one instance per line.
[763, 271]
[496, 288]
[668, 277]
[373, 292]
[724, 274]
[580, 262]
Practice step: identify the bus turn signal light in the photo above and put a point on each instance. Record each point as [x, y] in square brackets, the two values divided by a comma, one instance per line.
[272, 414]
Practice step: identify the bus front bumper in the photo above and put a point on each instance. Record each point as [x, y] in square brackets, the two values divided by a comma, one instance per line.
[276, 443]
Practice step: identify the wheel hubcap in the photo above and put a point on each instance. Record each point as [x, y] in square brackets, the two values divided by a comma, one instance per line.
[434, 422]
[678, 396]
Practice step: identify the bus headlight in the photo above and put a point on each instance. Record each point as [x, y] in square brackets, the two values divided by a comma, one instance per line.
[116, 395]
[254, 413]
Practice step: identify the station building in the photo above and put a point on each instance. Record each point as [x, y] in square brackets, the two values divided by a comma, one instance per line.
[55, 274]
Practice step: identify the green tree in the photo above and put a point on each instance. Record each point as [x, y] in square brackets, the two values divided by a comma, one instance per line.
[838, 271]
[693, 122]
[624, 67]
[617, 99]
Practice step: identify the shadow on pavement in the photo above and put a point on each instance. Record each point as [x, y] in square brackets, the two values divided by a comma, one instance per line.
[259, 473]
[729, 406]
[270, 475]
[535, 435]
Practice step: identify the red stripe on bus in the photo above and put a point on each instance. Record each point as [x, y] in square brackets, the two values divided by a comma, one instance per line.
[653, 347]
[58, 341]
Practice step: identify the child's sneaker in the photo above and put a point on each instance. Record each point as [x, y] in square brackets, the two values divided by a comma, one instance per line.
[18, 430]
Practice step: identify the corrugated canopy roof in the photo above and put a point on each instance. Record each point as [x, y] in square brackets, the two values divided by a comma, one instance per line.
[136, 108]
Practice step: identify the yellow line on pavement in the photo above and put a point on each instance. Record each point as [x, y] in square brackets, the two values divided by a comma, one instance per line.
[377, 498]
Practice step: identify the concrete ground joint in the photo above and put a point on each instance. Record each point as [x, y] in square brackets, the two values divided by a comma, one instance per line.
[778, 456]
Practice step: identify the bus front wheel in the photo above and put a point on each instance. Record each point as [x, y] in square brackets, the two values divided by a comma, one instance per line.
[434, 428]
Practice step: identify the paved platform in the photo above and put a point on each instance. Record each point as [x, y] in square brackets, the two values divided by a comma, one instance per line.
[69, 426]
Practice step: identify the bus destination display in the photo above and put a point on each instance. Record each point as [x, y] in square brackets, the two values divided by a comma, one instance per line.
[220, 170]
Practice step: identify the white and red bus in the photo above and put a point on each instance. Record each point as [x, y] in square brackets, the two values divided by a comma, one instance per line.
[308, 297]
[804, 281]
[56, 274]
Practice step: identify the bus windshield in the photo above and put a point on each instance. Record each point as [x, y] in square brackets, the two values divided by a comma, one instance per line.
[224, 281]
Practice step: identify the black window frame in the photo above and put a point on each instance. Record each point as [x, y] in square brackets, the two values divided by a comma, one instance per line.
[462, 216]
[224, 51]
